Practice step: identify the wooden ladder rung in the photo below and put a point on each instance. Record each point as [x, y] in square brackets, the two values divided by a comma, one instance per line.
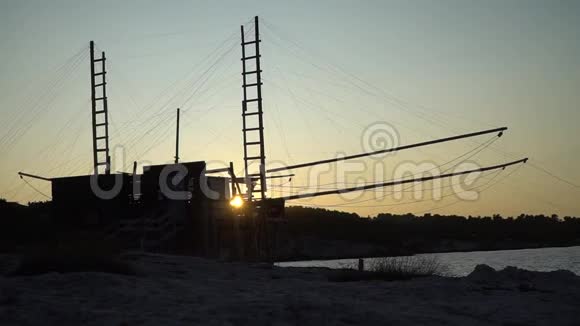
[253, 84]
[251, 57]
[251, 42]
[251, 72]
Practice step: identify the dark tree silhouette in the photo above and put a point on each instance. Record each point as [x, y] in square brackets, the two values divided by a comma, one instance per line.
[434, 232]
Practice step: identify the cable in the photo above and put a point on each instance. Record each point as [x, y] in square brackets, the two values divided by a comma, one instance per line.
[459, 200]
[471, 153]
[539, 168]
[494, 175]
[19, 127]
[38, 191]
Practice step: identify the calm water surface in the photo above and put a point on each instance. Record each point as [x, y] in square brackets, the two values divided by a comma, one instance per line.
[462, 263]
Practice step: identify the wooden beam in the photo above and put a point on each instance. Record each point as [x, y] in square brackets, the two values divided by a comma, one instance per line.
[22, 174]
[397, 182]
[389, 150]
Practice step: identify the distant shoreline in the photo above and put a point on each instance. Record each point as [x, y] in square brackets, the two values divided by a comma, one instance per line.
[403, 253]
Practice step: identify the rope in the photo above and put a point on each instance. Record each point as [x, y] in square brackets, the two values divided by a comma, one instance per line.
[471, 154]
[459, 200]
[495, 174]
[539, 168]
[35, 189]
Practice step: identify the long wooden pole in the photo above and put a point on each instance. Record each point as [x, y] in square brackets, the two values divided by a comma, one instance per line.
[396, 182]
[23, 174]
[389, 150]
[93, 107]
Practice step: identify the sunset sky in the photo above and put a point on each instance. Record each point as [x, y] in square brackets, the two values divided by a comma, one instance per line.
[332, 69]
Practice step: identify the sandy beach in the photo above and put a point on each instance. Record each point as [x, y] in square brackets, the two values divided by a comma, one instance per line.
[175, 290]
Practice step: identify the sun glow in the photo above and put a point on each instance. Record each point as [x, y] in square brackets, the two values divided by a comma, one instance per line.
[237, 202]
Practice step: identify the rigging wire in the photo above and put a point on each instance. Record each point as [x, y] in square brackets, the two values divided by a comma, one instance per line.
[539, 168]
[405, 104]
[20, 127]
[404, 190]
[418, 111]
[494, 175]
[467, 155]
[133, 137]
[341, 74]
[56, 70]
[371, 112]
[459, 200]
[35, 189]
[280, 128]
[200, 81]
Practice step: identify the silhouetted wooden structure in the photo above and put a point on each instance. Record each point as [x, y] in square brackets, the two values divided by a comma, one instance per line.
[184, 207]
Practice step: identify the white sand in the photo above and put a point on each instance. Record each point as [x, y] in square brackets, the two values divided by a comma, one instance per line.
[184, 291]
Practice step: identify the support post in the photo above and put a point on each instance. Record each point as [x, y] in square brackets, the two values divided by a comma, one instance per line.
[259, 93]
[106, 112]
[177, 140]
[93, 107]
[233, 177]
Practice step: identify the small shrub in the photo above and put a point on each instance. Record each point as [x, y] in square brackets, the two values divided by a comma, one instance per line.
[392, 269]
[407, 267]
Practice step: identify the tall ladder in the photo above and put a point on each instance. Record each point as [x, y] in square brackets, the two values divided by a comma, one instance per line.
[253, 124]
[101, 158]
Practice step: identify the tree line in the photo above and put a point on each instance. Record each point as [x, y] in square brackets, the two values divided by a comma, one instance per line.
[434, 232]
[406, 233]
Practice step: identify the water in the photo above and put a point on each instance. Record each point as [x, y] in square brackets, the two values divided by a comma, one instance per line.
[463, 263]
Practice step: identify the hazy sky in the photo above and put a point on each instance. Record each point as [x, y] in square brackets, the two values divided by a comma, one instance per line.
[331, 69]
